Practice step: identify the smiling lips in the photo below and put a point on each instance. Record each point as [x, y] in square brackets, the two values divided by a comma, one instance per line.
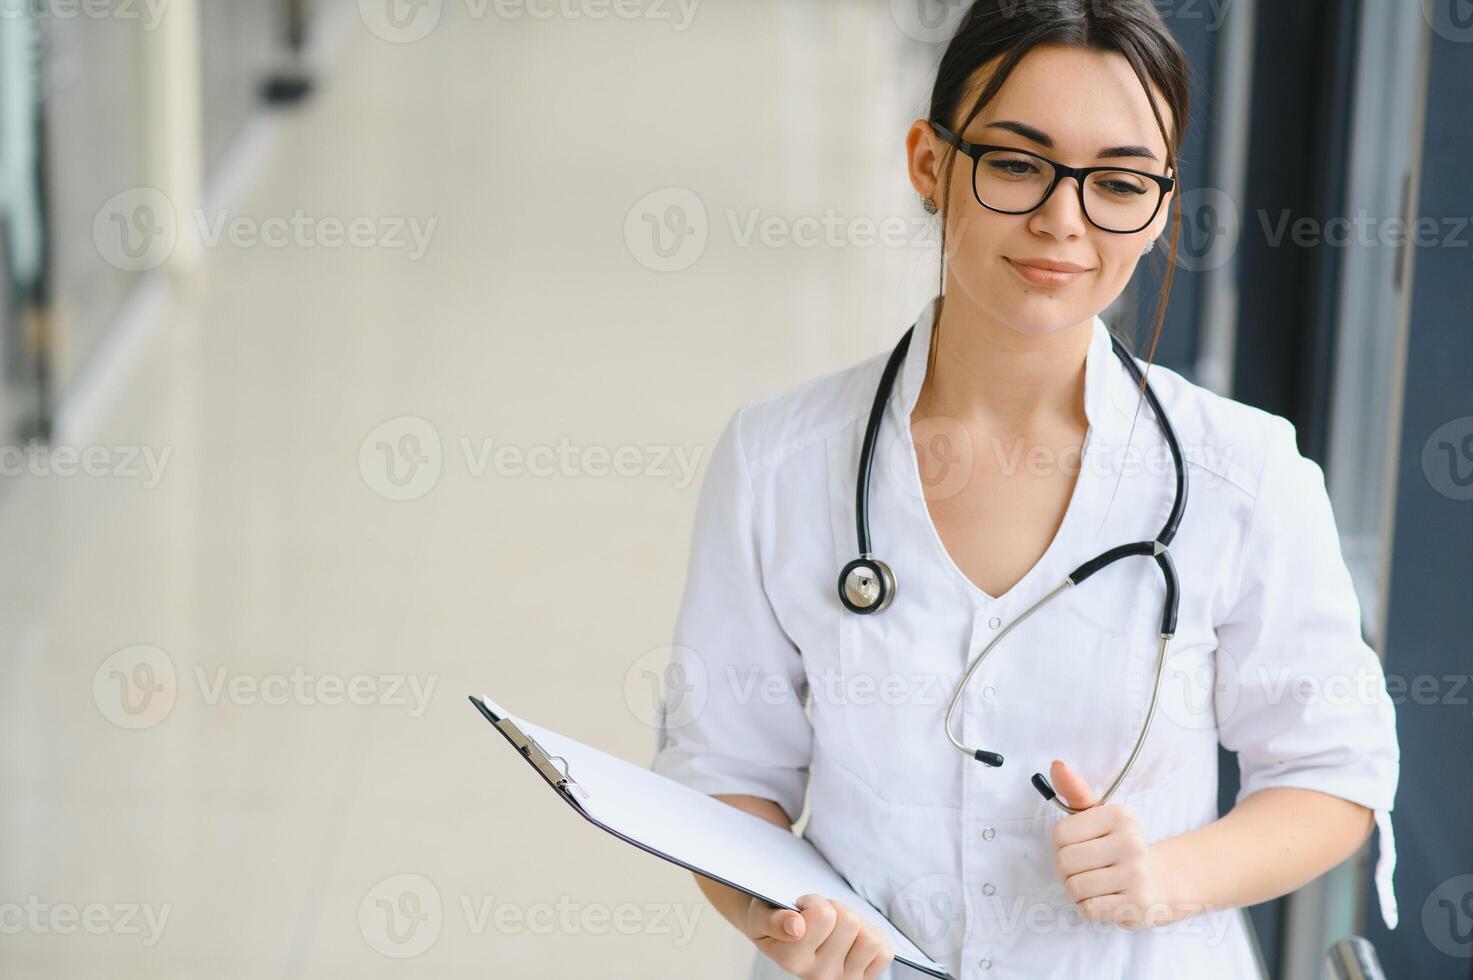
[1046, 272]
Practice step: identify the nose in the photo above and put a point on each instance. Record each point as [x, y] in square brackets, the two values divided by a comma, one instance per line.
[1062, 213]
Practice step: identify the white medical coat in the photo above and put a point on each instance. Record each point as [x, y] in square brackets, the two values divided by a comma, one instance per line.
[1268, 660]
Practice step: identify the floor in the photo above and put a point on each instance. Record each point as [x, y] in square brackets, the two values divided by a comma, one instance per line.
[333, 489]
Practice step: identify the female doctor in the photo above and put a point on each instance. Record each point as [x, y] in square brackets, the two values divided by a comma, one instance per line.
[894, 602]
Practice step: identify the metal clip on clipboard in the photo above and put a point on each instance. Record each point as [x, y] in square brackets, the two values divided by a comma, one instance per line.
[561, 779]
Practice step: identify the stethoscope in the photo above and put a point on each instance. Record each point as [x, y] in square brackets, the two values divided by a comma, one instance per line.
[867, 585]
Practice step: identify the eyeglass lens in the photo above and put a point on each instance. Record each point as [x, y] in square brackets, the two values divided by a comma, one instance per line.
[1116, 200]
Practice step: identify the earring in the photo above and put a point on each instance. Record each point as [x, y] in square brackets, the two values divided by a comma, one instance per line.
[928, 205]
[1149, 245]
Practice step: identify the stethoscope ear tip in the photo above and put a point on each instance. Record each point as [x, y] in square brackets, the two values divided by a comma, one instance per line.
[993, 759]
[1041, 784]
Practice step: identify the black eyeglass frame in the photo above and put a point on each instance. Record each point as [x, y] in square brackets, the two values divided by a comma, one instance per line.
[1080, 174]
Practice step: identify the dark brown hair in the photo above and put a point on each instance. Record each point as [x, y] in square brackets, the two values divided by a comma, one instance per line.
[1006, 30]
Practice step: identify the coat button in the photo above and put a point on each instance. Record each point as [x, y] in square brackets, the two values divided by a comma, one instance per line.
[988, 833]
[989, 691]
[987, 889]
[994, 622]
[984, 964]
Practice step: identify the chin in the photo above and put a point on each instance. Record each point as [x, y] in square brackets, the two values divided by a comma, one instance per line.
[1040, 312]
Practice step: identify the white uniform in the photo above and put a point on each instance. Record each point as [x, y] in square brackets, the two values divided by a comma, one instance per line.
[1268, 659]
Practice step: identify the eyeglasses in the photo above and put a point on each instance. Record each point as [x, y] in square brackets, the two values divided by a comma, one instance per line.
[1012, 181]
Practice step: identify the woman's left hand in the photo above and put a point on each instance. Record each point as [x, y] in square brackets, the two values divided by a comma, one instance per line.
[1104, 861]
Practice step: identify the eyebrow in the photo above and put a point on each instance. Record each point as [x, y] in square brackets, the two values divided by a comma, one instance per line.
[1044, 139]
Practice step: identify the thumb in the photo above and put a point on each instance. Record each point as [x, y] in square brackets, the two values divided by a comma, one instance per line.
[784, 925]
[1071, 786]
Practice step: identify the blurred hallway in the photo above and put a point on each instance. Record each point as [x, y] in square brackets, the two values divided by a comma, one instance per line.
[338, 383]
[233, 575]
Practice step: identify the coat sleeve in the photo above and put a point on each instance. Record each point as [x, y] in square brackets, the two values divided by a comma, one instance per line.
[732, 718]
[1303, 700]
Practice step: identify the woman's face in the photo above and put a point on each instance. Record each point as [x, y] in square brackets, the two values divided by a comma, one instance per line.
[1073, 106]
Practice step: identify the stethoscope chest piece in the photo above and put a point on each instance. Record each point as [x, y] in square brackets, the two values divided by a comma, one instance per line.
[866, 585]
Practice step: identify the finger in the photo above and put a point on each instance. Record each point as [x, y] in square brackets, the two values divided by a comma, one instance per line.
[795, 954]
[1080, 827]
[1093, 884]
[1071, 786]
[1116, 908]
[784, 925]
[832, 951]
[1097, 852]
[881, 963]
[1098, 821]
[819, 916]
[868, 945]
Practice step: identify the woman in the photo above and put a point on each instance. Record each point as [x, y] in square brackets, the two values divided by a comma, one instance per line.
[1008, 454]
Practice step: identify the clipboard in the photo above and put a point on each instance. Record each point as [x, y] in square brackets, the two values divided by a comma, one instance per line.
[688, 828]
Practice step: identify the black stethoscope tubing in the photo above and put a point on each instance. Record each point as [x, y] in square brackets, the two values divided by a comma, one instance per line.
[867, 585]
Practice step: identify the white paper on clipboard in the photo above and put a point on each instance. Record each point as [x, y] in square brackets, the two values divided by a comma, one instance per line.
[690, 828]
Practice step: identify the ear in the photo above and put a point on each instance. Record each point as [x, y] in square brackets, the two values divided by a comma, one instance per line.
[923, 160]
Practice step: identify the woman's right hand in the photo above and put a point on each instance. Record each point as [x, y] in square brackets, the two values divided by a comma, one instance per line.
[826, 940]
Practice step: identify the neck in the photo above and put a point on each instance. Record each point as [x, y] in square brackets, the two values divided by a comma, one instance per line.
[987, 373]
